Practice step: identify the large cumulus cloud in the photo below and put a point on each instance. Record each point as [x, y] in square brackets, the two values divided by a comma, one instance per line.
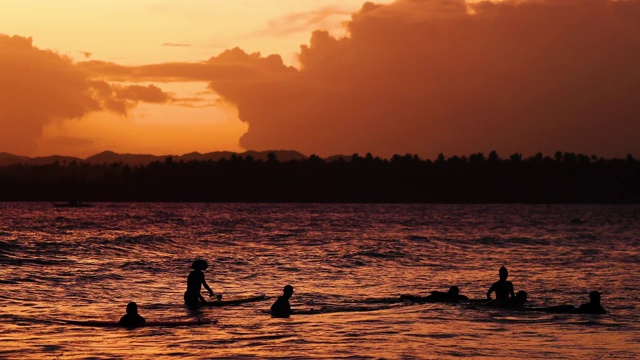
[38, 87]
[433, 76]
[430, 76]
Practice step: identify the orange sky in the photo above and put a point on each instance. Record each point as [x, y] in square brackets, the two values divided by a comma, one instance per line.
[319, 76]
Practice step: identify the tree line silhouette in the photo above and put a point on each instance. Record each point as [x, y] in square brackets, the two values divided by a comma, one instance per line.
[477, 178]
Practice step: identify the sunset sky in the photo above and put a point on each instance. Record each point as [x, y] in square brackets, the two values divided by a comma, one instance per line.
[319, 76]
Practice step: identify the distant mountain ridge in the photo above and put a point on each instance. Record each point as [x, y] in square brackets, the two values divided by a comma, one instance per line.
[110, 157]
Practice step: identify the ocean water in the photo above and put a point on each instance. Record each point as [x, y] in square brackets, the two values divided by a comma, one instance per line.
[347, 262]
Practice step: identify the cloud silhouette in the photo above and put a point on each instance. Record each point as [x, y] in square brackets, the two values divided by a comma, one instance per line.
[38, 87]
[431, 76]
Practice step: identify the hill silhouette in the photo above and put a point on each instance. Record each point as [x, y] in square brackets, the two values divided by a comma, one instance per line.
[110, 157]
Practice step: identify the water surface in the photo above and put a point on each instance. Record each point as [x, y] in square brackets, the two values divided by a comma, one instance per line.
[87, 263]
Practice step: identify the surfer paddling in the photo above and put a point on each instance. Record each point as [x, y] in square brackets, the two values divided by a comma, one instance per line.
[281, 308]
[452, 296]
[195, 281]
[132, 319]
[593, 306]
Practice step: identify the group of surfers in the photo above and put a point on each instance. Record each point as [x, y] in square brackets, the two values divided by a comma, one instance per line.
[281, 308]
[506, 298]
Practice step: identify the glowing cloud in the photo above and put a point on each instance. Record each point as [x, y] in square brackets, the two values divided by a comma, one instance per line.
[430, 76]
[38, 87]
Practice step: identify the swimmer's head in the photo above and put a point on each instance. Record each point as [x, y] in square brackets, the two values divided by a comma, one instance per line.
[454, 291]
[504, 273]
[521, 297]
[199, 265]
[132, 308]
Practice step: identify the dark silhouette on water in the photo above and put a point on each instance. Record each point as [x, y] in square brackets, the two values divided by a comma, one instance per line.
[132, 319]
[593, 306]
[195, 281]
[514, 302]
[281, 308]
[502, 288]
[453, 295]
[73, 204]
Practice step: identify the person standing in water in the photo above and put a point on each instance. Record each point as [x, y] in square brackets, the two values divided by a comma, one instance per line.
[281, 308]
[502, 288]
[195, 281]
[132, 319]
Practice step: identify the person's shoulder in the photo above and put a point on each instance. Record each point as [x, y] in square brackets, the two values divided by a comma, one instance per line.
[588, 308]
[278, 301]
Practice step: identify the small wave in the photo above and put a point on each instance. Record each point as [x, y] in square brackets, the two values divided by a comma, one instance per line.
[384, 300]
[434, 336]
[497, 241]
[129, 241]
[379, 255]
[21, 261]
[418, 238]
[11, 246]
[142, 239]
[135, 265]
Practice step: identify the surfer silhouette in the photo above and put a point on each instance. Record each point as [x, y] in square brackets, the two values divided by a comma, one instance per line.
[453, 295]
[195, 281]
[502, 288]
[515, 301]
[593, 306]
[132, 319]
[281, 308]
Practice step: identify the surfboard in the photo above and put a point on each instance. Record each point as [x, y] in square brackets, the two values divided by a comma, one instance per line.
[335, 309]
[237, 301]
[97, 323]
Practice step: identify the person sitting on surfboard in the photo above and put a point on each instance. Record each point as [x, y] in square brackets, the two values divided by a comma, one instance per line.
[502, 288]
[281, 308]
[195, 281]
[132, 319]
[453, 295]
[593, 306]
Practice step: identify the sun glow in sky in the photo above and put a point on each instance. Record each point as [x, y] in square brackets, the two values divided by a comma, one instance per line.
[418, 76]
[158, 31]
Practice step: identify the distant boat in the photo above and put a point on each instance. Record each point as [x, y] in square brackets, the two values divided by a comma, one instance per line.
[72, 203]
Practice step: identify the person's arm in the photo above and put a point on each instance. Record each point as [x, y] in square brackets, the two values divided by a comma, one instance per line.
[511, 290]
[204, 283]
[491, 289]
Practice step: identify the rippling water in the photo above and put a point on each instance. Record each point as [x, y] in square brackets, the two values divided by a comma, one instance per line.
[87, 263]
